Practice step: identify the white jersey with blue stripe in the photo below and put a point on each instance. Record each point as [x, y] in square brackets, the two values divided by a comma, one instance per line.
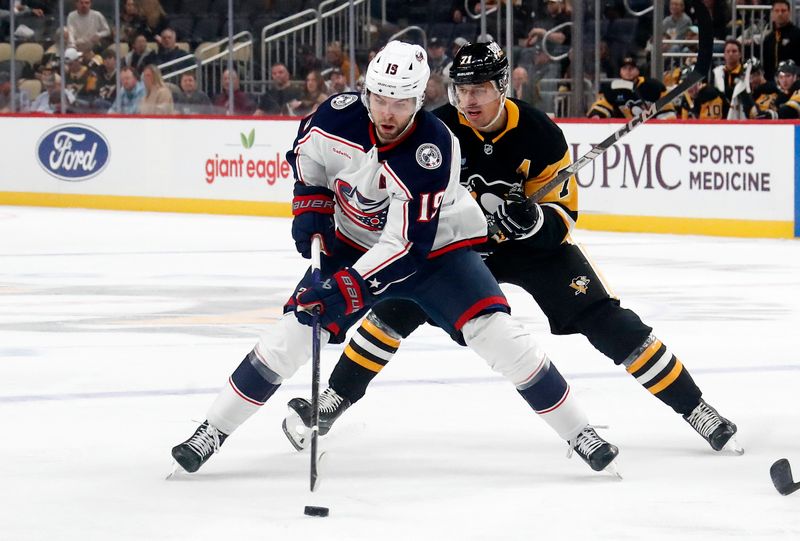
[400, 203]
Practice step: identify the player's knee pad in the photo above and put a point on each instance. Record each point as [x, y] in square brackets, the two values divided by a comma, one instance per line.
[397, 317]
[286, 345]
[612, 330]
[507, 346]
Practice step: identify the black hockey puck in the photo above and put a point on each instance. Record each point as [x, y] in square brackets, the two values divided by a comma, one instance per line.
[313, 511]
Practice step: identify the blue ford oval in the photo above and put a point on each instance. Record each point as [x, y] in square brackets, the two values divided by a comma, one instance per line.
[73, 152]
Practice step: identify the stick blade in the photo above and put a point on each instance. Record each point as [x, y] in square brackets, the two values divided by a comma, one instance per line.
[781, 474]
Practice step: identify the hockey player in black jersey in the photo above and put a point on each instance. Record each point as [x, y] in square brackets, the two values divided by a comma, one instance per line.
[628, 95]
[377, 179]
[701, 101]
[510, 149]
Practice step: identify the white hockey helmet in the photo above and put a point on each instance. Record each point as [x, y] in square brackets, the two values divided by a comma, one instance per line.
[399, 70]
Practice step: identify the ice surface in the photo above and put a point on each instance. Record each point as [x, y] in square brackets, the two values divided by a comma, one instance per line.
[116, 330]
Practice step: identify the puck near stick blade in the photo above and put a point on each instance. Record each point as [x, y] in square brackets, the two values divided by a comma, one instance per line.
[314, 511]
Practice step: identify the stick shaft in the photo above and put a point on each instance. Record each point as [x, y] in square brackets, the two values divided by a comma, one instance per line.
[315, 368]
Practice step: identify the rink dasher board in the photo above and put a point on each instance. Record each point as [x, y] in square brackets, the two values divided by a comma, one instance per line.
[713, 178]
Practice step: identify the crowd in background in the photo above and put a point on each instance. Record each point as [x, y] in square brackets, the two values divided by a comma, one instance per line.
[159, 37]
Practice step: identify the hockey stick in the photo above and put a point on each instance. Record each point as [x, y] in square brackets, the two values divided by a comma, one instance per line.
[315, 347]
[705, 51]
[781, 473]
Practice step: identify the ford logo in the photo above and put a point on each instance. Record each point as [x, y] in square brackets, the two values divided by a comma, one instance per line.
[73, 152]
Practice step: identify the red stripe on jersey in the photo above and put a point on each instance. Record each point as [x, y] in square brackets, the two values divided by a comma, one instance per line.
[563, 398]
[388, 262]
[327, 135]
[456, 245]
[477, 307]
[397, 180]
[350, 242]
[242, 395]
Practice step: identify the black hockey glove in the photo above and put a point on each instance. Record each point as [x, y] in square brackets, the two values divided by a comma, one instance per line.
[516, 218]
[312, 208]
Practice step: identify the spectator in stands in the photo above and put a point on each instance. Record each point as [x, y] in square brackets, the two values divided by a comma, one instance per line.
[783, 43]
[51, 83]
[21, 10]
[87, 24]
[157, 98]
[337, 82]
[521, 87]
[281, 92]
[21, 99]
[335, 58]
[130, 21]
[80, 82]
[89, 58]
[131, 93]
[190, 100]
[555, 15]
[242, 103]
[106, 81]
[307, 61]
[154, 19]
[437, 58]
[139, 55]
[314, 94]
[676, 23]
[435, 92]
[169, 51]
[729, 78]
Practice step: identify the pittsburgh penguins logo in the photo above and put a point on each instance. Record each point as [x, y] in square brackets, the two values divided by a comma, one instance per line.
[488, 149]
[343, 100]
[580, 284]
[429, 156]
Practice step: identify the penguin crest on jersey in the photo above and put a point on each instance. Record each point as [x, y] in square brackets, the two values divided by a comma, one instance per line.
[343, 100]
[429, 156]
[580, 284]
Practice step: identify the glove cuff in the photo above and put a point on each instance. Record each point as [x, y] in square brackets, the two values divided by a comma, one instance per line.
[319, 203]
[353, 289]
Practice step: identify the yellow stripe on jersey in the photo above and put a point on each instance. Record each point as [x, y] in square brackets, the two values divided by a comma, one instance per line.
[644, 357]
[351, 354]
[667, 380]
[569, 200]
[380, 334]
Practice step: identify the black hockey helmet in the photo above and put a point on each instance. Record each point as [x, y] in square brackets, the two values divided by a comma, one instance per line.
[477, 63]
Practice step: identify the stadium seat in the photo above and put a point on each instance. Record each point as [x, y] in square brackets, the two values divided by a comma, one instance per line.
[30, 52]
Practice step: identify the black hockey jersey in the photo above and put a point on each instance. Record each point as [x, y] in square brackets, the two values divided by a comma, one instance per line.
[708, 104]
[529, 152]
[625, 99]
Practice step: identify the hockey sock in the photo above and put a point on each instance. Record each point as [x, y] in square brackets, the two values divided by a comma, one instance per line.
[661, 373]
[549, 396]
[364, 356]
[248, 388]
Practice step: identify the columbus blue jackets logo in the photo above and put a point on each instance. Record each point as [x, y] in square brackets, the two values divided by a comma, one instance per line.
[429, 156]
[367, 213]
[343, 100]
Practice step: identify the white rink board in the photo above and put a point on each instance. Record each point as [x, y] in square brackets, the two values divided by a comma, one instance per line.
[171, 157]
[680, 170]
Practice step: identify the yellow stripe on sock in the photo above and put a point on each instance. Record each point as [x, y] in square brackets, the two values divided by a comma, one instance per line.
[379, 334]
[360, 359]
[668, 379]
[644, 357]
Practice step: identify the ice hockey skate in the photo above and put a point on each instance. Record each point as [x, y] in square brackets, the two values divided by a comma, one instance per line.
[297, 424]
[595, 451]
[195, 451]
[718, 431]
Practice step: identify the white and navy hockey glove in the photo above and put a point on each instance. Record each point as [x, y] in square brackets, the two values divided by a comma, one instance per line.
[518, 219]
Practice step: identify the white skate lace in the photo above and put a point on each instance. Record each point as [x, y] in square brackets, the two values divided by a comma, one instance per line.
[586, 443]
[205, 442]
[704, 419]
[329, 401]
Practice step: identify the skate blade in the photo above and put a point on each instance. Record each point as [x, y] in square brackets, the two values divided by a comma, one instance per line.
[173, 472]
[296, 431]
[613, 470]
[732, 447]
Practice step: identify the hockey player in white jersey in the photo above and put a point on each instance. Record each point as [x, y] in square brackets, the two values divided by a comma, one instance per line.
[377, 179]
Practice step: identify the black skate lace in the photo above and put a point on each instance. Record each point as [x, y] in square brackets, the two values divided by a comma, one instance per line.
[205, 441]
[329, 401]
[587, 442]
[704, 419]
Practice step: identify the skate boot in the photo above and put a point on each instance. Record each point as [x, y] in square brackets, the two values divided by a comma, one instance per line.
[594, 450]
[195, 451]
[716, 429]
[297, 424]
